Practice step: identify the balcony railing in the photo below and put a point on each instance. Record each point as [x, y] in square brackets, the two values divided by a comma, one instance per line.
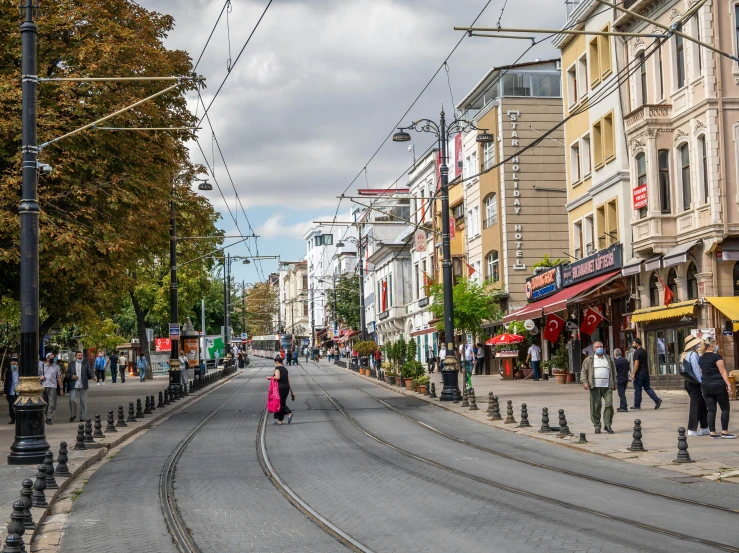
[648, 112]
[606, 240]
[578, 253]
[589, 249]
[490, 221]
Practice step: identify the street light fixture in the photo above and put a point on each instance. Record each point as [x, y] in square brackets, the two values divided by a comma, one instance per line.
[204, 185]
[450, 375]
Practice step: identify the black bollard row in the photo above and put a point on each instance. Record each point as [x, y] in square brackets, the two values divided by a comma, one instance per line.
[121, 419]
[636, 443]
[495, 416]
[545, 421]
[509, 414]
[27, 498]
[524, 417]
[38, 497]
[98, 432]
[80, 443]
[61, 467]
[50, 480]
[682, 447]
[564, 430]
[131, 417]
[110, 427]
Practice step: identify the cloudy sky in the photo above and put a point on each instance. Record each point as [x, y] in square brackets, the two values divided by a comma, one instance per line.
[318, 89]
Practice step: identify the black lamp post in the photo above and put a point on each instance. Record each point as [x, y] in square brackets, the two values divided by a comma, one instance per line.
[175, 376]
[450, 375]
[30, 443]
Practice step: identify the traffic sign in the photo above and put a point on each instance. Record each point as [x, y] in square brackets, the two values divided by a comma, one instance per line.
[174, 331]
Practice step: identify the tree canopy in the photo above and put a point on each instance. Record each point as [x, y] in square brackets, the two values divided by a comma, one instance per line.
[472, 302]
[347, 301]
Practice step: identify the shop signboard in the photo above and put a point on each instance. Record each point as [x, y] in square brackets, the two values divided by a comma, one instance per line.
[639, 195]
[599, 263]
[162, 344]
[544, 284]
[420, 241]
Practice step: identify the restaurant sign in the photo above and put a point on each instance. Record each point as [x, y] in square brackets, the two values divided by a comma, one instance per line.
[544, 284]
[599, 263]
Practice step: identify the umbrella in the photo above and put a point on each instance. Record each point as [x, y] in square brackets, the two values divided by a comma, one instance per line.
[504, 339]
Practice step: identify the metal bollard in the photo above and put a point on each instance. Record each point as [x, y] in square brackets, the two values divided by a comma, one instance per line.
[161, 400]
[433, 391]
[139, 411]
[152, 402]
[50, 480]
[489, 411]
[473, 400]
[545, 428]
[465, 398]
[38, 498]
[13, 544]
[131, 417]
[61, 467]
[80, 443]
[564, 430]
[166, 397]
[110, 427]
[88, 432]
[509, 414]
[121, 419]
[636, 443]
[682, 447]
[147, 405]
[524, 417]
[98, 432]
[26, 497]
[16, 525]
[496, 410]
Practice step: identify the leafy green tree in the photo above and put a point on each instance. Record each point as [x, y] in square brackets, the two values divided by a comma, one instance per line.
[103, 335]
[473, 304]
[411, 349]
[261, 308]
[347, 301]
[546, 262]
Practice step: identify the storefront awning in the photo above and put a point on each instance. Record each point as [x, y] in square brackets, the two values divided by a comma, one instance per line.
[730, 249]
[729, 306]
[675, 310]
[678, 254]
[556, 302]
[422, 332]
[632, 266]
[653, 263]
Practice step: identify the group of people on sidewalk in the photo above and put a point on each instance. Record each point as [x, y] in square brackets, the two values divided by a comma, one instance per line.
[702, 368]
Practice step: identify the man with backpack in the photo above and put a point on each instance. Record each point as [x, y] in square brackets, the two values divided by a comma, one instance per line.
[691, 373]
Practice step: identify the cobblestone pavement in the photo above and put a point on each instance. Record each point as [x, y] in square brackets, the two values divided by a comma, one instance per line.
[394, 503]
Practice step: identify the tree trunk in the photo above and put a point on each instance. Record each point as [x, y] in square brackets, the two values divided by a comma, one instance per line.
[141, 331]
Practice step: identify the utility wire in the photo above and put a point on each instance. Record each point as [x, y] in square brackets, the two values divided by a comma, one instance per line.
[213, 30]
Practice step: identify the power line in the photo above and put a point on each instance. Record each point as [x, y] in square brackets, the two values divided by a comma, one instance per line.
[227, 3]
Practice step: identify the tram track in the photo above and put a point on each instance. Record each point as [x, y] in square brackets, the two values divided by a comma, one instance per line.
[178, 530]
[517, 491]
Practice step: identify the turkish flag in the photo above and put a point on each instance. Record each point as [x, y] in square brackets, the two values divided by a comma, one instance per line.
[383, 303]
[668, 293]
[590, 321]
[553, 328]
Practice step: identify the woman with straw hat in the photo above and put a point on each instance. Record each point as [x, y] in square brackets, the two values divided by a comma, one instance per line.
[691, 372]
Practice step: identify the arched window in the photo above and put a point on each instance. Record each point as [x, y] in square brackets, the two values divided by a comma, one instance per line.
[672, 283]
[493, 267]
[692, 282]
[685, 176]
[664, 180]
[653, 291]
[491, 210]
[641, 178]
[704, 155]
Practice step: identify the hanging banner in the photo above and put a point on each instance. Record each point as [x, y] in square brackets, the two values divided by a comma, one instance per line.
[420, 239]
[590, 321]
[553, 327]
[457, 156]
[639, 195]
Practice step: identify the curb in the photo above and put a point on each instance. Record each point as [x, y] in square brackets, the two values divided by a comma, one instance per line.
[106, 447]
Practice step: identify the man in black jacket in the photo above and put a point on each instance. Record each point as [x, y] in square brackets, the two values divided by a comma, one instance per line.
[11, 378]
[80, 373]
[622, 379]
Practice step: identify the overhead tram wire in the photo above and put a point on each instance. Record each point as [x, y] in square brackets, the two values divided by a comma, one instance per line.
[213, 30]
[233, 185]
[227, 206]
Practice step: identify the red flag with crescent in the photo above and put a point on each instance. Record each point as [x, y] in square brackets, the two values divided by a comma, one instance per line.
[553, 328]
[590, 321]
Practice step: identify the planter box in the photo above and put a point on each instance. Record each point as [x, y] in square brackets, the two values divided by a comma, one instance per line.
[561, 378]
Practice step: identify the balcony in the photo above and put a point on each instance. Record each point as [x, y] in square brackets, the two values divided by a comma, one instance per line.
[606, 240]
[648, 115]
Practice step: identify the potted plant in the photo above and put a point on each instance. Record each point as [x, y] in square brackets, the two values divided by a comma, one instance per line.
[559, 364]
[408, 373]
[390, 373]
[422, 383]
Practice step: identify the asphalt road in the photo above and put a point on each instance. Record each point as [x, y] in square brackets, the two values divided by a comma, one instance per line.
[392, 497]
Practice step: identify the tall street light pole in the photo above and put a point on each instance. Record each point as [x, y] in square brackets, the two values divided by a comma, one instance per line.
[450, 374]
[30, 443]
[175, 375]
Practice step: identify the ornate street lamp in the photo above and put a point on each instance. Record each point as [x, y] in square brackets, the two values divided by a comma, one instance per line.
[450, 375]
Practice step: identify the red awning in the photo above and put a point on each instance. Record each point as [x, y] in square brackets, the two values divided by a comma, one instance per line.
[558, 301]
[422, 332]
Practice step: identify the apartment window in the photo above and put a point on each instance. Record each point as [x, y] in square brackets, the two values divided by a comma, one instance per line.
[604, 47]
[422, 275]
[589, 235]
[664, 180]
[491, 210]
[593, 62]
[305, 283]
[475, 168]
[600, 214]
[305, 309]
[609, 139]
[575, 162]
[692, 281]
[577, 240]
[612, 221]
[493, 267]
[661, 80]
[697, 48]
[475, 222]
[379, 297]
[458, 211]
[324, 240]
[417, 286]
[572, 86]
[653, 291]
[488, 152]
[390, 291]
[685, 175]
[704, 153]
[680, 58]
[641, 178]
[672, 284]
[597, 134]
[466, 167]
[585, 155]
[643, 78]
[582, 81]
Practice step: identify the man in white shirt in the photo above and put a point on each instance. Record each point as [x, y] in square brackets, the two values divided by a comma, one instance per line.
[469, 356]
[533, 358]
[599, 377]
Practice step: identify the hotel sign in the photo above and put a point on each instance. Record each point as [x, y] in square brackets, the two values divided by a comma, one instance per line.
[600, 262]
[544, 284]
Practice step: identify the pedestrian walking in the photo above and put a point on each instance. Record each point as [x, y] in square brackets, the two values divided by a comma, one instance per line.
[533, 359]
[430, 360]
[691, 373]
[51, 380]
[283, 385]
[113, 363]
[378, 359]
[715, 387]
[100, 368]
[622, 379]
[469, 358]
[80, 373]
[641, 376]
[141, 366]
[442, 357]
[11, 377]
[306, 352]
[184, 366]
[241, 359]
[295, 357]
[330, 355]
[598, 376]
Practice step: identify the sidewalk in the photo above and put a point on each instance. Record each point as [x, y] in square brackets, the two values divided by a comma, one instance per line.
[714, 459]
[99, 400]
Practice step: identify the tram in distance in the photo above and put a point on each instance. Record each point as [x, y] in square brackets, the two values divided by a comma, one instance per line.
[269, 346]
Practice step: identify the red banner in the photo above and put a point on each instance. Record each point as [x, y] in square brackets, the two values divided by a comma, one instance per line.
[553, 328]
[162, 344]
[639, 195]
[457, 155]
[383, 304]
[590, 321]
[452, 228]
